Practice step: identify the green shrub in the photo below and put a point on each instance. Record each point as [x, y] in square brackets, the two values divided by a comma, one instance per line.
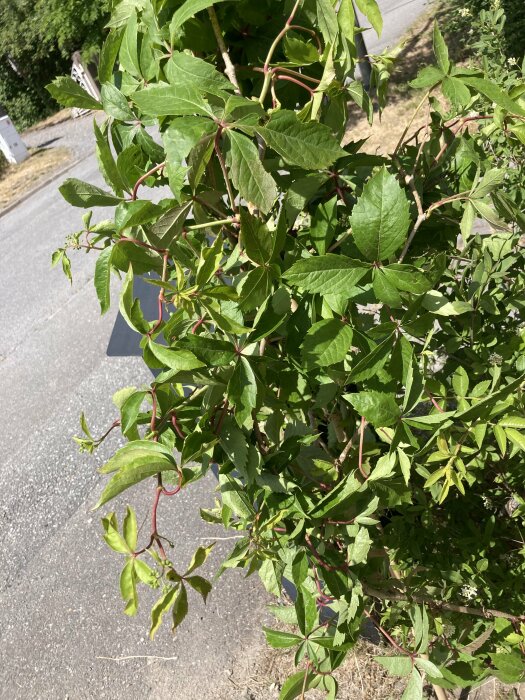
[332, 333]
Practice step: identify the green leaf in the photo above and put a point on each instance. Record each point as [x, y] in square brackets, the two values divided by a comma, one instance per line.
[456, 91]
[201, 585]
[378, 408]
[186, 71]
[112, 537]
[428, 667]
[198, 559]
[327, 274]
[130, 410]
[281, 640]
[428, 77]
[129, 529]
[137, 449]
[186, 11]
[136, 469]
[512, 422]
[128, 588]
[437, 303]
[235, 445]
[493, 93]
[358, 550]
[490, 181]
[300, 567]
[516, 438]
[108, 56]
[68, 93]
[381, 217]
[257, 240]
[82, 194]
[234, 496]
[146, 574]
[414, 689]
[210, 351]
[248, 175]
[177, 360]
[106, 162]
[327, 18]
[115, 103]
[326, 343]
[323, 225]
[102, 278]
[371, 11]
[242, 391]
[308, 145]
[405, 464]
[373, 361]
[160, 608]
[460, 382]
[501, 438]
[298, 52]
[395, 665]
[440, 49]
[129, 55]
[293, 686]
[166, 100]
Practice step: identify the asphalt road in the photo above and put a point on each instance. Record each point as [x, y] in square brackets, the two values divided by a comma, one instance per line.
[61, 621]
[398, 15]
[59, 604]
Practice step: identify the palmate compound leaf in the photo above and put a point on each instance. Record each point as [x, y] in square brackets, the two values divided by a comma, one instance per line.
[249, 177]
[185, 70]
[381, 217]
[326, 343]
[163, 99]
[379, 408]
[327, 274]
[68, 93]
[133, 464]
[308, 145]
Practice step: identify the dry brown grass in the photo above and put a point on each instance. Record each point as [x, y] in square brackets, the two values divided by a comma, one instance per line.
[386, 130]
[16, 180]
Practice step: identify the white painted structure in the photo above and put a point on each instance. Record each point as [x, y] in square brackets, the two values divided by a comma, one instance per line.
[11, 144]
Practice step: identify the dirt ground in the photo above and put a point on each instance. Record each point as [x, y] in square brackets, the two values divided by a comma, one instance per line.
[16, 180]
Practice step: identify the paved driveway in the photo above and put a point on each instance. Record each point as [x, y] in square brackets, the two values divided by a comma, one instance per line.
[59, 604]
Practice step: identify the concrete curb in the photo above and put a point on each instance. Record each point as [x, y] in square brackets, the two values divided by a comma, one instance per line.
[43, 183]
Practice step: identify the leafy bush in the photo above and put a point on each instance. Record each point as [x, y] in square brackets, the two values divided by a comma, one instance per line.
[332, 333]
[36, 42]
[3, 163]
[469, 21]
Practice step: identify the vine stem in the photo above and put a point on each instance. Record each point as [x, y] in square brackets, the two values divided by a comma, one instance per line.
[229, 68]
[217, 146]
[161, 298]
[487, 613]
[361, 441]
[144, 177]
[387, 636]
[407, 127]
[273, 47]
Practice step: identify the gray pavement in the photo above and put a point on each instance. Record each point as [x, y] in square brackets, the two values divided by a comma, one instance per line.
[59, 604]
[61, 620]
[398, 15]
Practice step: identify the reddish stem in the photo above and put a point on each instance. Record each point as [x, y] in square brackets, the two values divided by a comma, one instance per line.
[176, 426]
[361, 441]
[198, 324]
[385, 634]
[143, 178]
[297, 82]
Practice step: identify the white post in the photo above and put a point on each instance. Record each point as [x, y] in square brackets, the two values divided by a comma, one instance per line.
[11, 145]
